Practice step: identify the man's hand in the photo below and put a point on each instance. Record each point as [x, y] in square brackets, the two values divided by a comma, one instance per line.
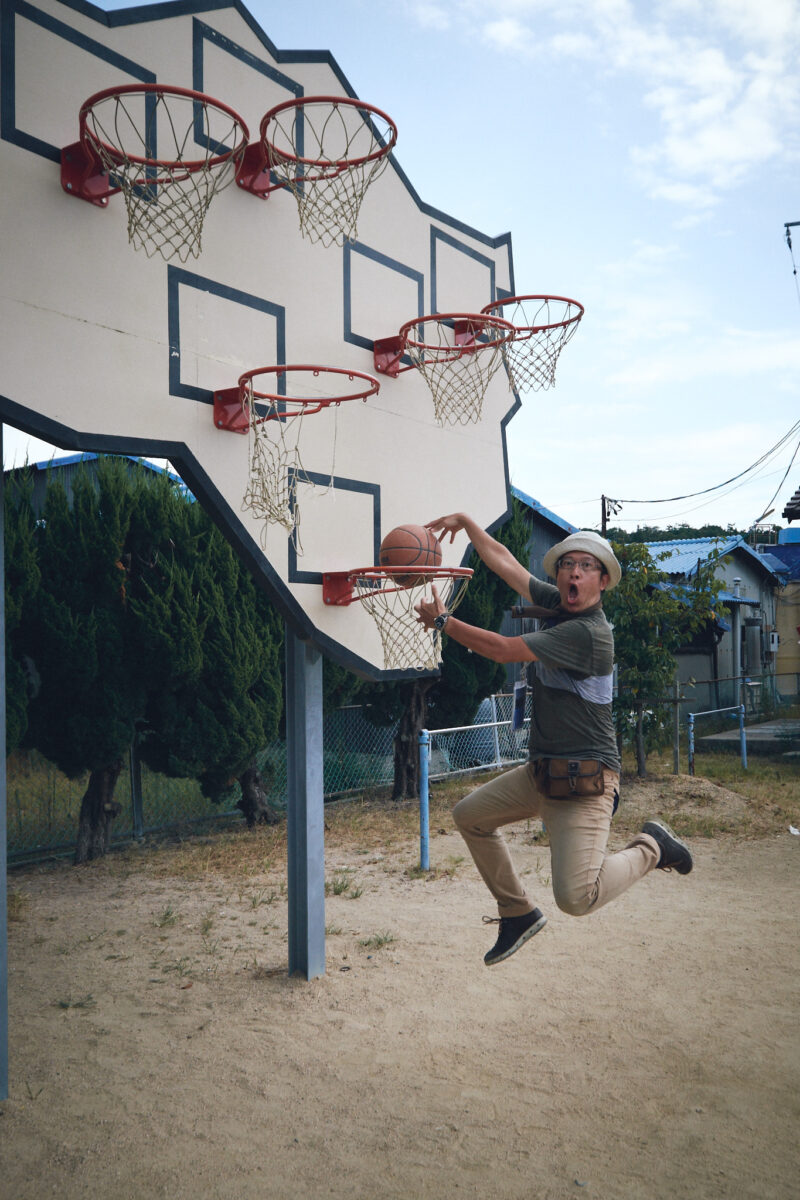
[428, 610]
[444, 525]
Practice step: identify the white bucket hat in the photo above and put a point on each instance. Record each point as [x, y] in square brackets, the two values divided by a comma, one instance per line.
[590, 543]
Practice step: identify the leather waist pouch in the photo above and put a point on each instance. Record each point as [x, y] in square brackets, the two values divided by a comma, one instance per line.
[569, 778]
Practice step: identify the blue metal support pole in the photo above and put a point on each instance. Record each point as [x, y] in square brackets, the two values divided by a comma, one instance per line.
[3, 795]
[424, 762]
[742, 736]
[691, 743]
[304, 819]
[496, 732]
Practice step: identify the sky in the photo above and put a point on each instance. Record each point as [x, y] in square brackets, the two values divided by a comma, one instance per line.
[646, 160]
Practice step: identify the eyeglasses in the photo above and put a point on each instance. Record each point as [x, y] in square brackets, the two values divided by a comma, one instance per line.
[584, 565]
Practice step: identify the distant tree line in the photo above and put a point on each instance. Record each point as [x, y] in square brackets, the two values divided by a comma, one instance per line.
[672, 533]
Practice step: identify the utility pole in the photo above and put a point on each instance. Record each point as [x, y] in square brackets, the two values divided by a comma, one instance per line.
[789, 225]
[609, 508]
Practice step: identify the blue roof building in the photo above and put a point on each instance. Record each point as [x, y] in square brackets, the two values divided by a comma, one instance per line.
[749, 647]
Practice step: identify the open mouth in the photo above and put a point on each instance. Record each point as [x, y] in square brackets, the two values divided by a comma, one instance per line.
[572, 594]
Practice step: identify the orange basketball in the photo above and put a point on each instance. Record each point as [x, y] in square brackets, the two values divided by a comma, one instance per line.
[410, 546]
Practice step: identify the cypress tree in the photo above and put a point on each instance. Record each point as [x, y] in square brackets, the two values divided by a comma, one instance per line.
[22, 578]
[80, 638]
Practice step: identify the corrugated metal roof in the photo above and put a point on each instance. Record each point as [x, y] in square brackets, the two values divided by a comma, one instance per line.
[792, 510]
[71, 460]
[788, 554]
[680, 557]
[545, 512]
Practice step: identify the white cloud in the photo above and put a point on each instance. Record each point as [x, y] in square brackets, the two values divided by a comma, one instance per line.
[719, 77]
[431, 16]
[718, 356]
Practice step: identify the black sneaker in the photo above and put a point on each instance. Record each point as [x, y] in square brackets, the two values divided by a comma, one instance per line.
[675, 854]
[514, 932]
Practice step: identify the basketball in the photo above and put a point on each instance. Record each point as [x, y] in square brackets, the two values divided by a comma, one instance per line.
[410, 546]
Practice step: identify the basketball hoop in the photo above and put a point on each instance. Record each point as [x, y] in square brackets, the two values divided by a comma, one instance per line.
[456, 353]
[544, 325]
[406, 643]
[274, 422]
[167, 197]
[326, 150]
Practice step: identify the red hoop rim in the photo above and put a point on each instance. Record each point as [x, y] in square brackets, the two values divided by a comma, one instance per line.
[308, 405]
[341, 164]
[570, 320]
[338, 586]
[165, 163]
[500, 324]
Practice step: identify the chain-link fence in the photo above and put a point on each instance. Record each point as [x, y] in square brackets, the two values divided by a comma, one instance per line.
[43, 805]
[491, 742]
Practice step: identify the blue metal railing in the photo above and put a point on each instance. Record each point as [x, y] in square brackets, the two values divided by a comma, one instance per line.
[735, 708]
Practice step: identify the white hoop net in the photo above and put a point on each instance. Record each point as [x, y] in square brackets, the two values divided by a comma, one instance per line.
[544, 326]
[406, 643]
[328, 191]
[457, 376]
[166, 201]
[275, 469]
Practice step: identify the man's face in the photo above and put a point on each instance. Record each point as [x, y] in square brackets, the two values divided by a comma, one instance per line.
[581, 581]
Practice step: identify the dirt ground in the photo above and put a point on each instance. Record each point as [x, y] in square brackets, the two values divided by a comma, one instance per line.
[158, 1047]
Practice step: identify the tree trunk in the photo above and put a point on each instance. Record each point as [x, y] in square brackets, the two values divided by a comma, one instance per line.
[406, 741]
[98, 810]
[254, 803]
[641, 756]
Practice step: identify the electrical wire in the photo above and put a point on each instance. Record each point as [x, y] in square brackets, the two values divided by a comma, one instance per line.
[734, 478]
[770, 502]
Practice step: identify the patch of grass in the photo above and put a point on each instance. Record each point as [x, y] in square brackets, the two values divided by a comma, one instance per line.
[447, 870]
[17, 904]
[82, 1002]
[695, 825]
[166, 918]
[181, 967]
[339, 884]
[377, 941]
[722, 798]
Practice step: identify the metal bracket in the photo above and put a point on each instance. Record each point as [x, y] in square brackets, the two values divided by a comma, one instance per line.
[337, 587]
[387, 353]
[253, 173]
[83, 175]
[228, 411]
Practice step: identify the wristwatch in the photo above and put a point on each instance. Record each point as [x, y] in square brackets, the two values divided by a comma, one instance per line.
[440, 621]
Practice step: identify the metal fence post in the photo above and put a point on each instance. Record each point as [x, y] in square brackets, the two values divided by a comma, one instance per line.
[676, 725]
[424, 760]
[495, 732]
[742, 736]
[690, 723]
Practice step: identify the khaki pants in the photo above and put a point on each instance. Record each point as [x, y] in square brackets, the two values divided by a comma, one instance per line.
[584, 876]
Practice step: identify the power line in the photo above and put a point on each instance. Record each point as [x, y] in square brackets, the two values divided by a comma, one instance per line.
[734, 478]
[768, 505]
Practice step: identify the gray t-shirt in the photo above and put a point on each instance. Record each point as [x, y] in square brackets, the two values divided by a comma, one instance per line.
[571, 683]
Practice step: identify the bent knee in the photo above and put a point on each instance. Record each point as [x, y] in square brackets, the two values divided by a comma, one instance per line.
[461, 814]
[575, 904]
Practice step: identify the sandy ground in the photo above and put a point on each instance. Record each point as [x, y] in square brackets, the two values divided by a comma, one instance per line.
[158, 1048]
